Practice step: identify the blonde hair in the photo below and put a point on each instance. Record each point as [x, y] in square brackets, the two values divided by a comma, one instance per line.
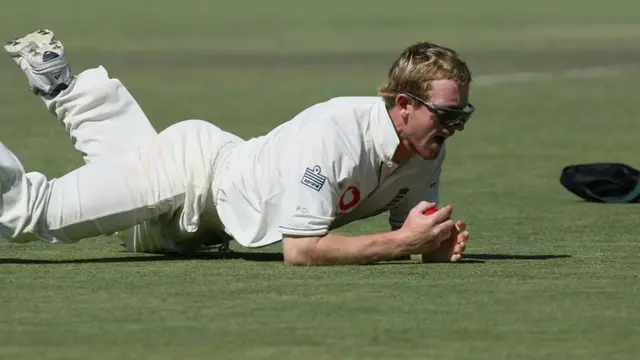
[418, 66]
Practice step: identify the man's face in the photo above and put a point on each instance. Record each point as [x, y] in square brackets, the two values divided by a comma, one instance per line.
[427, 127]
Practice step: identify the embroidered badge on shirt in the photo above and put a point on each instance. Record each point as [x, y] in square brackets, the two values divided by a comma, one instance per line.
[313, 178]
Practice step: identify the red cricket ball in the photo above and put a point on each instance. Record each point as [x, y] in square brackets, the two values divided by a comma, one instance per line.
[430, 211]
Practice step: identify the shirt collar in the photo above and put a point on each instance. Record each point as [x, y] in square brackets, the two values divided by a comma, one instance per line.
[383, 132]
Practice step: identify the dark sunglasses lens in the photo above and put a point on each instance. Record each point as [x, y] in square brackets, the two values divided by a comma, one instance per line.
[453, 118]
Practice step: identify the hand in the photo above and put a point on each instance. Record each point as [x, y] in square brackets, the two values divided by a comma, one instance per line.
[421, 234]
[451, 249]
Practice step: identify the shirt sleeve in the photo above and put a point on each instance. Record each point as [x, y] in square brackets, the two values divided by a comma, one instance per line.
[429, 191]
[311, 183]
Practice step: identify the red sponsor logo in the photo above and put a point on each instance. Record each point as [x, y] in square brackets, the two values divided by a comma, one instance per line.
[349, 199]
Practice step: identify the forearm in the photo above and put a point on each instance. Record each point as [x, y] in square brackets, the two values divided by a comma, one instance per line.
[333, 249]
[366, 249]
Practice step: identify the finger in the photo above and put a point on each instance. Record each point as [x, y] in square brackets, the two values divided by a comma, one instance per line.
[442, 215]
[444, 226]
[455, 257]
[461, 225]
[423, 206]
[459, 248]
[464, 236]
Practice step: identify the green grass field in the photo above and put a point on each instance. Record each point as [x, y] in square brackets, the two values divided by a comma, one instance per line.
[546, 276]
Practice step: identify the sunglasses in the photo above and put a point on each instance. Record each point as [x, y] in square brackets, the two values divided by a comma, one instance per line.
[447, 116]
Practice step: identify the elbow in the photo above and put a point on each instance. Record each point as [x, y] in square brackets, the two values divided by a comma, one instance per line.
[300, 251]
[299, 258]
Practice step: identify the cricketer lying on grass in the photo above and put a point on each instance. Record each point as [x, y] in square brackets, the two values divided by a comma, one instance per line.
[194, 184]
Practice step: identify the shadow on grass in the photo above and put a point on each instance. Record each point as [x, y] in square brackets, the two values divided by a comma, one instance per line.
[486, 257]
[249, 256]
[257, 257]
[483, 258]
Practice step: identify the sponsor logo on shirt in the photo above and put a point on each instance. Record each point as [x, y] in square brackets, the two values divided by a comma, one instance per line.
[349, 199]
[313, 178]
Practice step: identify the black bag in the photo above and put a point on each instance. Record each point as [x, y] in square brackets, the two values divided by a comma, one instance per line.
[614, 183]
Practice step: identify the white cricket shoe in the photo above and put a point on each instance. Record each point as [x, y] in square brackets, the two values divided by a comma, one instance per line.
[43, 60]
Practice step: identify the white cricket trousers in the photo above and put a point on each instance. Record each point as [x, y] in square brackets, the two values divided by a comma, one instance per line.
[158, 190]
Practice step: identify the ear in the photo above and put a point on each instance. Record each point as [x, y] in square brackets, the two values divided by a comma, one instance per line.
[403, 101]
[404, 106]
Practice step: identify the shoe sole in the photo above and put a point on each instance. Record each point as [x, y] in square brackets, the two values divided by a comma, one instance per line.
[32, 46]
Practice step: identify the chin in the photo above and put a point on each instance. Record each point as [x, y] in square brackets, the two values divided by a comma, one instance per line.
[432, 153]
[428, 155]
[429, 151]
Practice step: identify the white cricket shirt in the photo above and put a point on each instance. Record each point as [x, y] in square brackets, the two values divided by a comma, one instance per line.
[328, 166]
